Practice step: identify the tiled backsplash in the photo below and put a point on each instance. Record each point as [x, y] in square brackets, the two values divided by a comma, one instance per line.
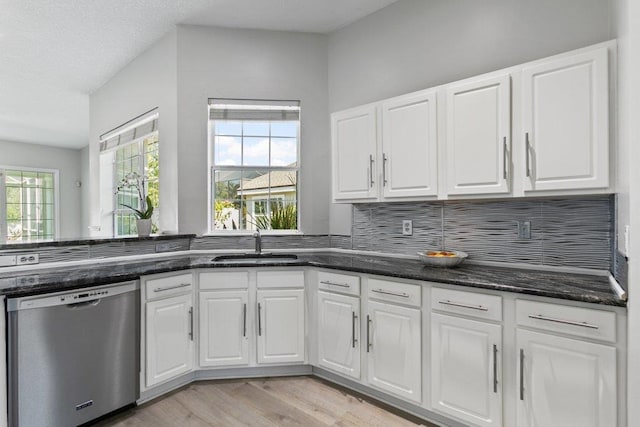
[575, 232]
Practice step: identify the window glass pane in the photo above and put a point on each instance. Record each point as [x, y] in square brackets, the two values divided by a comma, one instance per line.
[29, 178]
[255, 128]
[286, 129]
[230, 127]
[254, 187]
[284, 151]
[255, 152]
[227, 206]
[228, 150]
[46, 180]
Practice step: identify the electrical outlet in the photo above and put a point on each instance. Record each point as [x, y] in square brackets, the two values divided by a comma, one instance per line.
[524, 230]
[26, 259]
[407, 227]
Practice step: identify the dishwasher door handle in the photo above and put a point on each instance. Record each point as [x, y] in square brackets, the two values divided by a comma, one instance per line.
[83, 304]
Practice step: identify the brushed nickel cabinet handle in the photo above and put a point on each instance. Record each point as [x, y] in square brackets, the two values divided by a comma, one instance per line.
[495, 368]
[354, 317]
[521, 374]
[504, 158]
[395, 294]
[259, 321]
[459, 304]
[371, 161]
[181, 285]
[368, 333]
[328, 282]
[565, 322]
[191, 323]
[244, 320]
[384, 169]
[527, 149]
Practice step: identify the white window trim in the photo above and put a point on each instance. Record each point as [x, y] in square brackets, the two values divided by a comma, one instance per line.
[210, 165]
[56, 202]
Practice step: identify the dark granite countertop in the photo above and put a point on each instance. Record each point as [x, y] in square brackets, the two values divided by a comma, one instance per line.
[89, 241]
[568, 286]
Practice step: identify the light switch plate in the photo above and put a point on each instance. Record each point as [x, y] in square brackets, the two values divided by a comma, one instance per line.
[524, 230]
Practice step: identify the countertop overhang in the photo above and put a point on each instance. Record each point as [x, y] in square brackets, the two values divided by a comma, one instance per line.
[588, 288]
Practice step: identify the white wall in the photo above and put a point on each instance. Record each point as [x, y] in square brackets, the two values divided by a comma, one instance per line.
[147, 82]
[626, 27]
[67, 162]
[230, 63]
[416, 44]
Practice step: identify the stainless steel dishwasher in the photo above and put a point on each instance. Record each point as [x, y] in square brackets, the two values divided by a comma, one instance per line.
[72, 356]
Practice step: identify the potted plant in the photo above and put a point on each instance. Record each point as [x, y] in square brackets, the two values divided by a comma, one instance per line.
[143, 213]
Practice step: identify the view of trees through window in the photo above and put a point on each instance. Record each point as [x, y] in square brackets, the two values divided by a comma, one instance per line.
[254, 170]
[141, 157]
[30, 212]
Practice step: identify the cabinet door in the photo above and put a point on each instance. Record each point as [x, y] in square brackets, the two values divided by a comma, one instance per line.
[338, 333]
[409, 146]
[281, 326]
[354, 162]
[223, 328]
[478, 136]
[465, 369]
[169, 338]
[566, 123]
[565, 382]
[394, 350]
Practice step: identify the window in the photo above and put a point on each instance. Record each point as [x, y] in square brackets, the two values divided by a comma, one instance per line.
[30, 207]
[254, 164]
[133, 147]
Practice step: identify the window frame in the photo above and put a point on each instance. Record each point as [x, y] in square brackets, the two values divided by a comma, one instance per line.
[3, 203]
[211, 167]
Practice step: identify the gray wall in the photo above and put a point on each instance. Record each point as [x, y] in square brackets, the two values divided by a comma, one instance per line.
[416, 44]
[67, 161]
[228, 63]
[147, 82]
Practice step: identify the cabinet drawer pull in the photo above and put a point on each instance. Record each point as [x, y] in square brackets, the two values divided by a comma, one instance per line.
[384, 169]
[244, 320]
[459, 304]
[259, 321]
[527, 148]
[504, 158]
[368, 333]
[565, 322]
[371, 182]
[495, 368]
[354, 318]
[191, 323]
[395, 294]
[181, 285]
[521, 374]
[342, 285]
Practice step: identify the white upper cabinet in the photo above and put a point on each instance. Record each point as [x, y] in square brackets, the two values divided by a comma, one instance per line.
[354, 150]
[409, 146]
[565, 123]
[478, 134]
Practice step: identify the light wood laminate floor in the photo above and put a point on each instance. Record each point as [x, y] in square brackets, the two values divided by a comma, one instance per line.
[292, 401]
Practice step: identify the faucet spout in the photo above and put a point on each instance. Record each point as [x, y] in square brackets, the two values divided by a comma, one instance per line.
[258, 238]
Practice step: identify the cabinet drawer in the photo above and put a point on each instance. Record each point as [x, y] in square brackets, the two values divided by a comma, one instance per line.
[167, 286]
[280, 279]
[467, 303]
[336, 282]
[224, 280]
[578, 321]
[402, 293]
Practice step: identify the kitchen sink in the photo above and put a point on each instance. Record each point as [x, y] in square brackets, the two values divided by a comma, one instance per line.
[255, 258]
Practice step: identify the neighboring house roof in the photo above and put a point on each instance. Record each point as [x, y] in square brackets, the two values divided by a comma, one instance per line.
[277, 178]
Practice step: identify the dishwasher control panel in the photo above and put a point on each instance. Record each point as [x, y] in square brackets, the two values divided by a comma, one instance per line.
[70, 297]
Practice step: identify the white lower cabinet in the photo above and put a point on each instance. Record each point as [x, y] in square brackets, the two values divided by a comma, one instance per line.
[394, 357]
[223, 328]
[564, 382]
[281, 325]
[465, 369]
[169, 338]
[338, 333]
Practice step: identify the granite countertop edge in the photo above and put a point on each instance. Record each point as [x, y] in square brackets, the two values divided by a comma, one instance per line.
[566, 286]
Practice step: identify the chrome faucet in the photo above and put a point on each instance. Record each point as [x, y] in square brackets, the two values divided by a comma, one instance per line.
[258, 238]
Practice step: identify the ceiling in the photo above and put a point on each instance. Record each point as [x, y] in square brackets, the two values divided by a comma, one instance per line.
[54, 53]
